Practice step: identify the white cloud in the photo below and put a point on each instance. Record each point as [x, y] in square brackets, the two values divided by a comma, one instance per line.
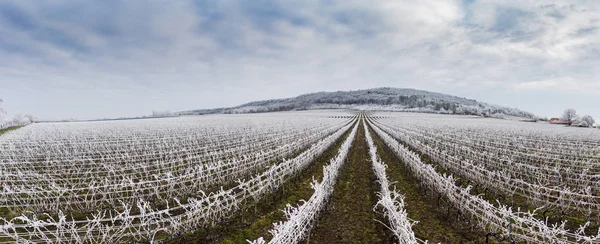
[188, 55]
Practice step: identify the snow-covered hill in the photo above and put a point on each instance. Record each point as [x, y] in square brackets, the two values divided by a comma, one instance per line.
[381, 99]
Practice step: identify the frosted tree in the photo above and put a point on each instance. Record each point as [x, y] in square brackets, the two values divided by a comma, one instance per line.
[31, 118]
[2, 111]
[587, 121]
[570, 115]
[20, 119]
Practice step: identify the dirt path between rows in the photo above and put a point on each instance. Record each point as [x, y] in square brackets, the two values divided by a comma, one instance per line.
[349, 217]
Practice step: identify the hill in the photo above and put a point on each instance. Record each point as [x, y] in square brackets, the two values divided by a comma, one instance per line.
[380, 99]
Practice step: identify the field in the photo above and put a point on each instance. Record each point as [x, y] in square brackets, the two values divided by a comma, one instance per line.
[327, 176]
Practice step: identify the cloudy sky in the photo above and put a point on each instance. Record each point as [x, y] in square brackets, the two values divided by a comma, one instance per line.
[95, 59]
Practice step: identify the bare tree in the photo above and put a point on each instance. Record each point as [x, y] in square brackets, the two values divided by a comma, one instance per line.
[587, 121]
[570, 115]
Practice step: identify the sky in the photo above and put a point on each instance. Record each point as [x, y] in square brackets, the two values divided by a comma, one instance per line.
[96, 59]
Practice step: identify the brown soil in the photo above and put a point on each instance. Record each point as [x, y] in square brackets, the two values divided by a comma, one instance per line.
[349, 217]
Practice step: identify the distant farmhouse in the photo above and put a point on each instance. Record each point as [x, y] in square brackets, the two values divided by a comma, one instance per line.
[557, 121]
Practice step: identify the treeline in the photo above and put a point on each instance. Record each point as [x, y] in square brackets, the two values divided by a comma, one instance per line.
[386, 99]
[397, 103]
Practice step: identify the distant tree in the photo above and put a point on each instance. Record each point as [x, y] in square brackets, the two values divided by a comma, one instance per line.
[498, 115]
[587, 121]
[570, 115]
[2, 111]
[20, 119]
[161, 113]
[31, 118]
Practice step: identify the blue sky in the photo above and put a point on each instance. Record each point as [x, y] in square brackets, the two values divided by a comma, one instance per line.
[96, 59]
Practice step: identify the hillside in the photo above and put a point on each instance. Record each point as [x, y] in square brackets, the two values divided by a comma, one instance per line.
[380, 99]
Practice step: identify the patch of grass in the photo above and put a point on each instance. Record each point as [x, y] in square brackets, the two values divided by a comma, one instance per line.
[2, 131]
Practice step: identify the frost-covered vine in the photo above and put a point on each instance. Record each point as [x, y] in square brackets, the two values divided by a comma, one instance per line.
[138, 218]
[391, 201]
[300, 219]
[498, 219]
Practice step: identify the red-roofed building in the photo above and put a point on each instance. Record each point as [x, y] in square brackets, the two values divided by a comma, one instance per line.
[558, 121]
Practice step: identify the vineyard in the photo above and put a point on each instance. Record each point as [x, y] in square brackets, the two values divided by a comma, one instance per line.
[328, 176]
